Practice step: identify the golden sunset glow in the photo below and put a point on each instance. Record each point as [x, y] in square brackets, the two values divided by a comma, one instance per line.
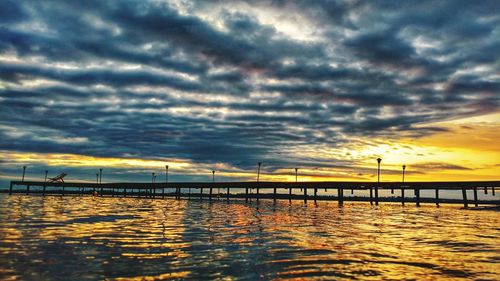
[468, 150]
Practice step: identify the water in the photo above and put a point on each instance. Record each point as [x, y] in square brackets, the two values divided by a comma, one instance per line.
[86, 238]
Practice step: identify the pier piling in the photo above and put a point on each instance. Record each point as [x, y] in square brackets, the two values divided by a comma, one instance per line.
[341, 196]
[475, 196]
[402, 195]
[464, 196]
[371, 196]
[417, 196]
[437, 197]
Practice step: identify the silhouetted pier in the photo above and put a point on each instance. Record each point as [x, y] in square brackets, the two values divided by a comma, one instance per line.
[255, 190]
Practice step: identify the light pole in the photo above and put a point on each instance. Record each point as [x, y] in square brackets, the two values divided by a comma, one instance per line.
[97, 177]
[378, 180]
[402, 186]
[404, 168]
[100, 175]
[152, 177]
[24, 172]
[258, 171]
[258, 177]
[213, 181]
[290, 190]
[166, 173]
[46, 173]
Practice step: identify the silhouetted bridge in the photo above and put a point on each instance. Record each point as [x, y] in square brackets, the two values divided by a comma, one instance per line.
[254, 190]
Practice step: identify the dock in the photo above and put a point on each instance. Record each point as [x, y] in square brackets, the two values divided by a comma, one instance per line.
[308, 191]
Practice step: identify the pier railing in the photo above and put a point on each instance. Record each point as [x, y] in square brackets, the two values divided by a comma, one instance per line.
[269, 190]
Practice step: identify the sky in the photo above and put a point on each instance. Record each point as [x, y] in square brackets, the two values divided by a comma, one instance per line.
[323, 86]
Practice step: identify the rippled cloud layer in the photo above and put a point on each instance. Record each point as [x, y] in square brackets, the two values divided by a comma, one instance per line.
[236, 82]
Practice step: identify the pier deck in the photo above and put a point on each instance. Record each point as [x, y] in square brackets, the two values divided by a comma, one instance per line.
[255, 190]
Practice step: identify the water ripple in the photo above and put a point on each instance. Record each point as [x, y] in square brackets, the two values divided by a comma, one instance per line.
[86, 238]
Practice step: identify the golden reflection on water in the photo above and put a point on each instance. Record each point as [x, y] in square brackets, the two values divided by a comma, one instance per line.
[143, 239]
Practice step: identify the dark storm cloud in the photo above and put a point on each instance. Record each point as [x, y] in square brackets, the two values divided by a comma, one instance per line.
[217, 81]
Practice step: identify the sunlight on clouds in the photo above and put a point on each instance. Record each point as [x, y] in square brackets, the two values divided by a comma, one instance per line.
[73, 160]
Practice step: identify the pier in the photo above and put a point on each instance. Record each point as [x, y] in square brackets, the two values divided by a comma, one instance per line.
[334, 191]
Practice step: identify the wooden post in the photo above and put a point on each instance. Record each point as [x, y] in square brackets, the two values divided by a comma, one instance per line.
[246, 194]
[27, 189]
[315, 194]
[376, 195]
[257, 194]
[227, 193]
[210, 194]
[290, 195]
[437, 197]
[402, 195]
[201, 193]
[341, 196]
[163, 193]
[475, 196]
[43, 190]
[305, 194]
[371, 196]
[485, 190]
[493, 190]
[10, 189]
[274, 195]
[464, 195]
[417, 194]
[63, 191]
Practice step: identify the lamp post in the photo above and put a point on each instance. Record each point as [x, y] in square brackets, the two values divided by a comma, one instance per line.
[97, 177]
[404, 168]
[24, 172]
[100, 175]
[403, 187]
[46, 173]
[378, 180]
[213, 181]
[152, 177]
[290, 190]
[258, 178]
[258, 171]
[166, 173]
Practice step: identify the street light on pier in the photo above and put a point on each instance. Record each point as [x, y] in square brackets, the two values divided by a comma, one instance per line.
[100, 175]
[404, 168]
[378, 181]
[46, 173]
[258, 178]
[166, 173]
[24, 172]
[258, 171]
[152, 177]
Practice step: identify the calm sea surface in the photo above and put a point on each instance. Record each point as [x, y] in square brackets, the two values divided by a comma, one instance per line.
[86, 238]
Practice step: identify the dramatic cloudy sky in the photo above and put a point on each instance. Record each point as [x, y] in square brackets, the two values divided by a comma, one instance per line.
[326, 86]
